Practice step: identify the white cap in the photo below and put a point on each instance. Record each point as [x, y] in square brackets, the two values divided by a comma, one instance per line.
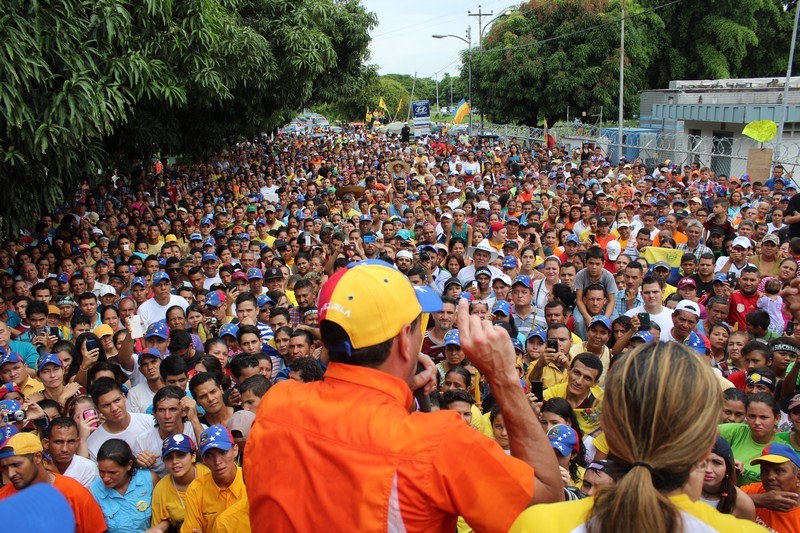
[613, 249]
[744, 242]
[504, 278]
[106, 290]
[688, 306]
[483, 204]
[447, 215]
[404, 253]
[452, 190]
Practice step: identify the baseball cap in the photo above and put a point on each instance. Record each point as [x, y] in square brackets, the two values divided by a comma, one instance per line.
[510, 262]
[263, 299]
[794, 402]
[176, 443]
[523, 279]
[504, 278]
[215, 436]
[572, 238]
[21, 444]
[273, 273]
[47, 359]
[195, 237]
[771, 237]
[139, 281]
[744, 242]
[157, 329]
[239, 275]
[7, 356]
[695, 342]
[63, 277]
[452, 338]
[501, 306]
[229, 329]
[662, 264]
[613, 249]
[371, 301]
[107, 290]
[160, 276]
[687, 282]
[563, 439]
[600, 319]
[646, 336]
[483, 271]
[59, 517]
[209, 256]
[150, 352]
[254, 273]
[721, 278]
[538, 332]
[723, 448]
[483, 204]
[775, 453]
[215, 298]
[688, 306]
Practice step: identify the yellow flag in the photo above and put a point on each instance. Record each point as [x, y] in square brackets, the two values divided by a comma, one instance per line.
[399, 105]
[382, 104]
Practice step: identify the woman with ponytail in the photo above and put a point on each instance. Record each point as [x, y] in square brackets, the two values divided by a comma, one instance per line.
[659, 416]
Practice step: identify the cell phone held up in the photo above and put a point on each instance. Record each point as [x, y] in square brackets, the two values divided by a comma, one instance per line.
[644, 321]
[537, 389]
[552, 344]
[88, 413]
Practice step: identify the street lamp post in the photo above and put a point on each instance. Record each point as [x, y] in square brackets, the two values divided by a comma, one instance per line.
[468, 40]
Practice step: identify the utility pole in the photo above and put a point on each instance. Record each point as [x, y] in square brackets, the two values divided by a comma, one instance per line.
[621, 78]
[437, 92]
[785, 113]
[480, 15]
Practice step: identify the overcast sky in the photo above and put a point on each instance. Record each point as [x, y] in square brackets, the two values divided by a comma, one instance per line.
[402, 42]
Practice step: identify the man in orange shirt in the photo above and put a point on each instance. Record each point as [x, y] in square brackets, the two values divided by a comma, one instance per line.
[21, 460]
[349, 453]
[776, 496]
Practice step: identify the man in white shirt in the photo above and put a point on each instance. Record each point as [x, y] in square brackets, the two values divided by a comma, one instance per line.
[209, 264]
[61, 444]
[653, 295]
[140, 397]
[119, 423]
[155, 308]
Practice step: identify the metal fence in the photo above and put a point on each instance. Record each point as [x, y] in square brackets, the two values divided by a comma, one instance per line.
[724, 155]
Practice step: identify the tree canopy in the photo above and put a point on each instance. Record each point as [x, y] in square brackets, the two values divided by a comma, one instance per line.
[87, 84]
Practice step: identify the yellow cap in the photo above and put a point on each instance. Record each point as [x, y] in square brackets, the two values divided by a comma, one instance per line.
[170, 238]
[102, 330]
[21, 444]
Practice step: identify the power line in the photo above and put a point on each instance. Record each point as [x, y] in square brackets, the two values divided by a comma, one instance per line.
[579, 32]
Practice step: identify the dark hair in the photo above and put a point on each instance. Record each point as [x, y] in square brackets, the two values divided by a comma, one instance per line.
[117, 450]
[203, 377]
[309, 339]
[241, 362]
[52, 404]
[765, 398]
[244, 330]
[61, 422]
[247, 297]
[166, 393]
[173, 365]
[258, 385]
[105, 366]
[758, 319]
[455, 395]
[563, 293]
[756, 346]
[649, 280]
[36, 307]
[77, 352]
[280, 311]
[595, 252]
[309, 369]
[103, 386]
[589, 360]
[750, 269]
[734, 394]
[463, 372]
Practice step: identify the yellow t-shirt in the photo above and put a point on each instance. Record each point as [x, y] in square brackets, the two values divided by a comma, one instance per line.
[32, 386]
[605, 358]
[588, 418]
[168, 503]
[571, 516]
[205, 501]
[235, 519]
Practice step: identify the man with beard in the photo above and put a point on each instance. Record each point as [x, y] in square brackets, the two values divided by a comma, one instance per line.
[745, 299]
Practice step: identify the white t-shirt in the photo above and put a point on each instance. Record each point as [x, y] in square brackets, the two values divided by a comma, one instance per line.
[140, 398]
[722, 261]
[663, 319]
[138, 425]
[151, 441]
[151, 311]
[82, 470]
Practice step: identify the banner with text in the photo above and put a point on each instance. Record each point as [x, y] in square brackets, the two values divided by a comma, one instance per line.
[421, 110]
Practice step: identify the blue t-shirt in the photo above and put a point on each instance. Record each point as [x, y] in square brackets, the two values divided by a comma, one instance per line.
[130, 513]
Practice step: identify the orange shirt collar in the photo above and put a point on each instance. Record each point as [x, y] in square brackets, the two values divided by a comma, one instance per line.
[373, 379]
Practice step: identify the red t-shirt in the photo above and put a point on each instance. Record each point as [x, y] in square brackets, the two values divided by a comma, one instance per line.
[741, 304]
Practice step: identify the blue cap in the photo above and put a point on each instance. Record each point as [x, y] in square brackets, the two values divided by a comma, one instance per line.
[572, 238]
[646, 336]
[696, 343]
[501, 306]
[195, 237]
[216, 436]
[512, 219]
[162, 261]
[10, 405]
[7, 432]
[563, 439]
[160, 276]
[176, 443]
[452, 338]
[229, 329]
[254, 273]
[7, 356]
[150, 352]
[215, 298]
[139, 281]
[205, 222]
[404, 234]
[523, 279]
[47, 359]
[59, 517]
[263, 299]
[510, 262]
[209, 242]
[538, 332]
[517, 345]
[63, 277]
[600, 319]
[157, 329]
[245, 235]
[722, 278]
[209, 256]
[365, 218]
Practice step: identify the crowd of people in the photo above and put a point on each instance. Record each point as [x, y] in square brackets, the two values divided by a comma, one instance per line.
[274, 339]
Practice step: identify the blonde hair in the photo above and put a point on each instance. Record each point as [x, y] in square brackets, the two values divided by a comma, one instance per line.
[660, 419]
